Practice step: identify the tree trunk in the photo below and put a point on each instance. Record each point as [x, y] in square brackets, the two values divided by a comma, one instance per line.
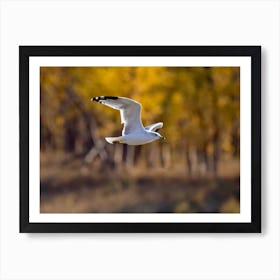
[118, 151]
[216, 152]
[235, 140]
[130, 157]
[98, 148]
[188, 161]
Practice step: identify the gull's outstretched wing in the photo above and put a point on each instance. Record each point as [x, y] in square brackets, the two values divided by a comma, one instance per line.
[154, 127]
[129, 109]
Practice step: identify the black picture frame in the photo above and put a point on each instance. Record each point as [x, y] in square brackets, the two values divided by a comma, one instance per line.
[254, 52]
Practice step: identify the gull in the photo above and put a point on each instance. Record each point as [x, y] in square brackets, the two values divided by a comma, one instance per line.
[133, 133]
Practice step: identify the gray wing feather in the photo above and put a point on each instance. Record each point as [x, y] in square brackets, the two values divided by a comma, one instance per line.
[130, 111]
[154, 127]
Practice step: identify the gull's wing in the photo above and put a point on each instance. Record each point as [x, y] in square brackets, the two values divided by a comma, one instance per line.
[129, 109]
[154, 127]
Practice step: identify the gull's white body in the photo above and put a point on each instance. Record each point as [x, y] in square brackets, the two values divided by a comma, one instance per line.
[137, 138]
[134, 133]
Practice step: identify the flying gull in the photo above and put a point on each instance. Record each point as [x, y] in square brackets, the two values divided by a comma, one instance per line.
[133, 133]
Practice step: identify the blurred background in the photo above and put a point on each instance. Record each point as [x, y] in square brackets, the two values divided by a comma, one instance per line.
[194, 170]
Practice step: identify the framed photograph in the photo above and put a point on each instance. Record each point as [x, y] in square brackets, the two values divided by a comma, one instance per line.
[140, 139]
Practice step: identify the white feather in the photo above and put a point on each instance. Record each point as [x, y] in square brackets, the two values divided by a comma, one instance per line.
[133, 132]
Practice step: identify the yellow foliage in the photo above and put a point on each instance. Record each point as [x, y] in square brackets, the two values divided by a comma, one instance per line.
[192, 102]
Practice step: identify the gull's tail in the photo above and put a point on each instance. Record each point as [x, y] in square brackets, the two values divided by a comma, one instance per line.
[113, 140]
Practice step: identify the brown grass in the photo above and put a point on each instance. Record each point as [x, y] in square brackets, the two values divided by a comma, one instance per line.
[69, 186]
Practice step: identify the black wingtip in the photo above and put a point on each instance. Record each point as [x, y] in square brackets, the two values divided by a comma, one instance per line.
[98, 98]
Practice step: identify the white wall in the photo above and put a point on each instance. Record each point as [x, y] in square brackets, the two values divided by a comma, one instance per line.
[131, 256]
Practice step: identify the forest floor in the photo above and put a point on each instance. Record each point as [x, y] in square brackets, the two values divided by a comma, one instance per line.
[69, 186]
